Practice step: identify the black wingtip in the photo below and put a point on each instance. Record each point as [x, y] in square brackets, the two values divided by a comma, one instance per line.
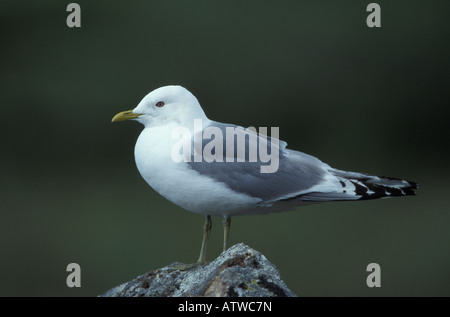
[411, 185]
[383, 191]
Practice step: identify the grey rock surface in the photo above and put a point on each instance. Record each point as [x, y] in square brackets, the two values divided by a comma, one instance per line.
[238, 272]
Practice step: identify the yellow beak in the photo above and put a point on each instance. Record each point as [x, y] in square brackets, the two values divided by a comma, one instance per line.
[125, 115]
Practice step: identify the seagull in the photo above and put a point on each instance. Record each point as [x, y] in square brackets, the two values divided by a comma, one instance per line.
[223, 170]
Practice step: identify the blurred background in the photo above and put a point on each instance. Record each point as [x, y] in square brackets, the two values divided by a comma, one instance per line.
[361, 99]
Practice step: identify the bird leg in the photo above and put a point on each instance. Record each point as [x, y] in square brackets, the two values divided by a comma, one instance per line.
[226, 232]
[206, 232]
[202, 258]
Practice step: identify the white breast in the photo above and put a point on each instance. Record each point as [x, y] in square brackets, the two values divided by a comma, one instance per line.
[180, 184]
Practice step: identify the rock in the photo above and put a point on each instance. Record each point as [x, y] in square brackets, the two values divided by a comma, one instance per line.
[238, 272]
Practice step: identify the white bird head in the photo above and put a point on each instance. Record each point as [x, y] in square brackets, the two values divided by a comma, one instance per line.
[168, 104]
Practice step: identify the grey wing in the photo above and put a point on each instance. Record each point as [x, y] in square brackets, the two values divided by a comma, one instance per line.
[297, 172]
[300, 178]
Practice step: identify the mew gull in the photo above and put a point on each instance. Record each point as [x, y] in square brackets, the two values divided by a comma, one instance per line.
[224, 170]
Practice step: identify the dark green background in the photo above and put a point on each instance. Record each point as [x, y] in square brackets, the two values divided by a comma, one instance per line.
[361, 99]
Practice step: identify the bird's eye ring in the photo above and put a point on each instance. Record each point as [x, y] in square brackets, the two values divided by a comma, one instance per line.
[160, 104]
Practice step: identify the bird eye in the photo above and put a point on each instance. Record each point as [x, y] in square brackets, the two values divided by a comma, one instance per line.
[160, 104]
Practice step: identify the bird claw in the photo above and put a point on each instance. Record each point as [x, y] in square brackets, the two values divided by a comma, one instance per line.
[184, 266]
